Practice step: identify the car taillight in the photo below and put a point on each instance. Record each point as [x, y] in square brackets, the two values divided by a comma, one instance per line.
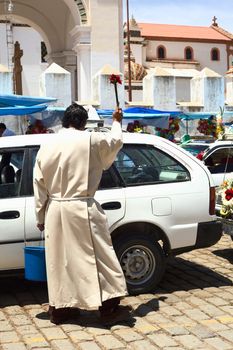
[212, 201]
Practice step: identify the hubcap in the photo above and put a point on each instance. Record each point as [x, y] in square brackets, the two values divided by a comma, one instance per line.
[138, 264]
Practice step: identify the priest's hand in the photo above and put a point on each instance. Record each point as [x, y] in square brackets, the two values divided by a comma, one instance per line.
[117, 115]
[40, 227]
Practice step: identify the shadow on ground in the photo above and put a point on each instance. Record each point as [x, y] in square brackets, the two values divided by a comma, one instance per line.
[92, 319]
[180, 275]
[15, 290]
[186, 275]
[225, 253]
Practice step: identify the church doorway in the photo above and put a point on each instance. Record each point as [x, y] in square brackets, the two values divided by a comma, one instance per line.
[42, 30]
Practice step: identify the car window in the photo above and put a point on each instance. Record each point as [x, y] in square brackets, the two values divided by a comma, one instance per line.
[194, 149]
[145, 164]
[109, 177]
[109, 180]
[220, 161]
[11, 166]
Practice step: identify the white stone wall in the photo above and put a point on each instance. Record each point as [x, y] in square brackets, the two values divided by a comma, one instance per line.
[229, 89]
[160, 91]
[182, 89]
[208, 90]
[197, 90]
[106, 34]
[201, 53]
[30, 43]
[3, 47]
[137, 52]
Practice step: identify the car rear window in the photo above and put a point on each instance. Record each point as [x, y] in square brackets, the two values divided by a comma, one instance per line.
[146, 164]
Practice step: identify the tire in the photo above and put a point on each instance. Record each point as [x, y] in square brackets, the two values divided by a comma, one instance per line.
[142, 260]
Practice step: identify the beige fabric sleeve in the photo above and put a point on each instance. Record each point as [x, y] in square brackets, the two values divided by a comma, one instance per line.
[40, 193]
[109, 144]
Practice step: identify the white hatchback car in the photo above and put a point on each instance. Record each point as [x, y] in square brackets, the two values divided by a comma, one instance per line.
[159, 200]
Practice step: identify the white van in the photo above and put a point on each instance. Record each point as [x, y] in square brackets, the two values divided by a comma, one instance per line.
[159, 199]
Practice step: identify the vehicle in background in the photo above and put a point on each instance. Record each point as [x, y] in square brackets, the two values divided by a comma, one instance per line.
[218, 158]
[196, 145]
[195, 148]
[158, 198]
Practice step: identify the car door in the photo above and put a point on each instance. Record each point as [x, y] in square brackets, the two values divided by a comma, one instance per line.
[220, 163]
[111, 196]
[32, 234]
[13, 164]
[159, 188]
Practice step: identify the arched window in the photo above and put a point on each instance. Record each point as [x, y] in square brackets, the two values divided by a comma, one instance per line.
[188, 53]
[161, 52]
[215, 54]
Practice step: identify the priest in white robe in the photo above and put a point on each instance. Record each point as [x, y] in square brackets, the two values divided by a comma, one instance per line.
[82, 268]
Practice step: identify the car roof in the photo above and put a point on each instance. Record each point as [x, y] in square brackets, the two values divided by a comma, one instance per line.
[38, 139]
[195, 144]
[222, 142]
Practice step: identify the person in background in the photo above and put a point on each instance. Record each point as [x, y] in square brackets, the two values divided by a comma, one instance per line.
[83, 271]
[4, 131]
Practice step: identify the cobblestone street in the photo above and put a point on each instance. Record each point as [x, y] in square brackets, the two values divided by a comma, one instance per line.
[191, 309]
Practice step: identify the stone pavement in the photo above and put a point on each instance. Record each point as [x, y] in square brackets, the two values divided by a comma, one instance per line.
[191, 309]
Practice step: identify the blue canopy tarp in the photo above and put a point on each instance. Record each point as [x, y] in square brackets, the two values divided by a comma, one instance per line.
[197, 115]
[145, 116]
[25, 101]
[139, 113]
[21, 110]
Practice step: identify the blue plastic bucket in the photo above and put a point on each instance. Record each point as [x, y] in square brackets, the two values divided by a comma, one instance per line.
[35, 267]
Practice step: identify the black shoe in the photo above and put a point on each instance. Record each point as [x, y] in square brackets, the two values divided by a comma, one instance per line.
[58, 316]
[119, 315]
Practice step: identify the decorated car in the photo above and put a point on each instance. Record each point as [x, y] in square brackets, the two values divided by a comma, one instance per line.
[146, 195]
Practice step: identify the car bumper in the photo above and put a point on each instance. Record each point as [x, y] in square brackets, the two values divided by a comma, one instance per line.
[208, 234]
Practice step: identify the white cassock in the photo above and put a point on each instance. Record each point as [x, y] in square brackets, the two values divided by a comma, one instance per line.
[82, 267]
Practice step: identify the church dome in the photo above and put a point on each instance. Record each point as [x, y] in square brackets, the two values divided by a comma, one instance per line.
[138, 72]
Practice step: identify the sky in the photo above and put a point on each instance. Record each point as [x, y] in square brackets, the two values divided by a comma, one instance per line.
[189, 12]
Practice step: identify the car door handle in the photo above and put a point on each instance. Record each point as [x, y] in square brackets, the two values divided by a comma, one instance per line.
[111, 205]
[10, 214]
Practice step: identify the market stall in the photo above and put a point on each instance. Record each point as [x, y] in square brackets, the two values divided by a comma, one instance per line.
[16, 109]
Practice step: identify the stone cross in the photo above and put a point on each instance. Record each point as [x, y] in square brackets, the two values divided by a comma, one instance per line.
[17, 70]
[214, 19]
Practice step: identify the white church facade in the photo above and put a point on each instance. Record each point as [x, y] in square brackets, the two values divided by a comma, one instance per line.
[72, 32]
[182, 51]
[166, 60]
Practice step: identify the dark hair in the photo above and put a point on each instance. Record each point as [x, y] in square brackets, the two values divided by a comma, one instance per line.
[2, 126]
[75, 116]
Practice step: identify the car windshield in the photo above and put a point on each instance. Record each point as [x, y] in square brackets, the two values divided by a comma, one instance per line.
[195, 149]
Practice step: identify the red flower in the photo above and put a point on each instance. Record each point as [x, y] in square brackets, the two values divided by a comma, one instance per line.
[200, 155]
[229, 194]
[114, 79]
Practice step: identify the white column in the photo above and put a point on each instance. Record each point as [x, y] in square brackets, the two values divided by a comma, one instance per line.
[82, 47]
[84, 72]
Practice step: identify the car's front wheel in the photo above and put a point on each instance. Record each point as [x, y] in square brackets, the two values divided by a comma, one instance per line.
[142, 260]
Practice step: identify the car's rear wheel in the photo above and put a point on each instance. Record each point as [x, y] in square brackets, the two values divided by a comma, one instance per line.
[142, 260]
